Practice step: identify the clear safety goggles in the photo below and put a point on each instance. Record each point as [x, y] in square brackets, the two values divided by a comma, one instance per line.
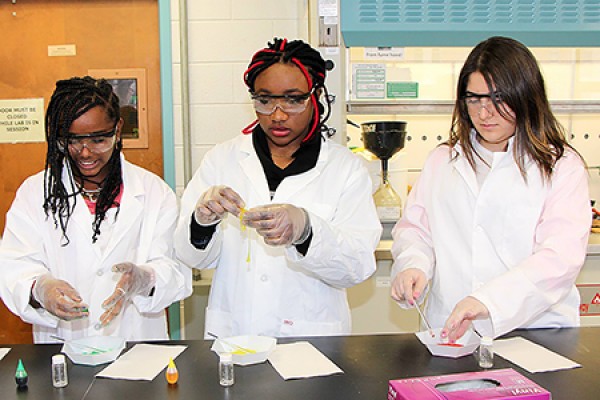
[97, 142]
[475, 102]
[288, 103]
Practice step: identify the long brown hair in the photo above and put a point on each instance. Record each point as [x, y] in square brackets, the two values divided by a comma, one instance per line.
[509, 68]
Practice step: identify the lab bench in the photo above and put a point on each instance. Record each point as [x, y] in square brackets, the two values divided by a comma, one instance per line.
[368, 362]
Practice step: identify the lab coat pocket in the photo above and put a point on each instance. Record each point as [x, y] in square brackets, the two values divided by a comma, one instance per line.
[291, 327]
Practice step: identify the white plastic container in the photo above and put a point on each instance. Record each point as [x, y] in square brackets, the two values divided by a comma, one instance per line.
[261, 346]
[466, 345]
[94, 350]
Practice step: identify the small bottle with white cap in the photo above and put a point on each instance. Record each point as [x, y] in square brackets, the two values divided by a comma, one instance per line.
[59, 371]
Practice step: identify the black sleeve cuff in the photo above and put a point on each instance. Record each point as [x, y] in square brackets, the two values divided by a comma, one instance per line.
[303, 247]
[200, 236]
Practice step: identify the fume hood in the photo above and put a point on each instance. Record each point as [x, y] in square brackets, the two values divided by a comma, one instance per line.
[541, 23]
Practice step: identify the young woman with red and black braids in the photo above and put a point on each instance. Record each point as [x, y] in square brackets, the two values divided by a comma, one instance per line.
[88, 242]
[283, 214]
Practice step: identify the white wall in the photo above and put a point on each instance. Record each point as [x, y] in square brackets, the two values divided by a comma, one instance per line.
[222, 37]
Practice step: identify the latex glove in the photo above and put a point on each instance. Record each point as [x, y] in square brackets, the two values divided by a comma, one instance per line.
[279, 224]
[409, 285]
[135, 280]
[215, 203]
[467, 310]
[59, 298]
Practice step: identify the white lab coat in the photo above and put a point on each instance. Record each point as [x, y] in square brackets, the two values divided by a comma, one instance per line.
[517, 247]
[142, 234]
[279, 292]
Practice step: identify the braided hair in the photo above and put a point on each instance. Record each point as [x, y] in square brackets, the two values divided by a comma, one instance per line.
[71, 99]
[312, 65]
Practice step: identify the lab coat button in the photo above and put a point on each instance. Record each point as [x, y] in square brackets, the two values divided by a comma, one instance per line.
[264, 278]
[99, 272]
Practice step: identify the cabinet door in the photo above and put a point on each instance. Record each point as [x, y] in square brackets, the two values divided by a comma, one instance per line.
[106, 34]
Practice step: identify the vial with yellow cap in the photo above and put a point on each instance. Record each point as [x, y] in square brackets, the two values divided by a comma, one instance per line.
[172, 374]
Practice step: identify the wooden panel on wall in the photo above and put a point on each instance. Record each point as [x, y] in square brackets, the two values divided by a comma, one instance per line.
[108, 34]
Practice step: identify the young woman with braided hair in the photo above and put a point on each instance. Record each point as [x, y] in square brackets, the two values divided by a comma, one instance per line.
[284, 215]
[88, 241]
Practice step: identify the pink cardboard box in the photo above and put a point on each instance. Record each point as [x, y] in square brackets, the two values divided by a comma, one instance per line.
[491, 384]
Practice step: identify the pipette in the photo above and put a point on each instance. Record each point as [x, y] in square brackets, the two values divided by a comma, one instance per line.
[240, 349]
[425, 320]
[99, 325]
[81, 345]
[245, 229]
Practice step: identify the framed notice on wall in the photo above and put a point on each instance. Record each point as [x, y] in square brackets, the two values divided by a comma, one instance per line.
[130, 85]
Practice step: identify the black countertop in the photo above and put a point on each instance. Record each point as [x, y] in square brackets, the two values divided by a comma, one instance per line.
[368, 362]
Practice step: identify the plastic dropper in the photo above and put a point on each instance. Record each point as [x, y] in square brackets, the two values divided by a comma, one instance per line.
[172, 374]
[21, 376]
[427, 325]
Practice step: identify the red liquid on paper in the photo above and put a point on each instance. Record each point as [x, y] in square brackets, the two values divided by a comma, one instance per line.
[451, 344]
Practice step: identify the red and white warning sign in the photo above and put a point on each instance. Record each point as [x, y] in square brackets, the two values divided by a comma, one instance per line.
[590, 299]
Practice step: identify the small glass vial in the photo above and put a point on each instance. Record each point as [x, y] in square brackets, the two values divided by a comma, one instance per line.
[226, 377]
[486, 352]
[59, 371]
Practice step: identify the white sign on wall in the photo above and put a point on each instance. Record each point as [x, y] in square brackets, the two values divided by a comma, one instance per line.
[368, 81]
[22, 120]
[387, 53]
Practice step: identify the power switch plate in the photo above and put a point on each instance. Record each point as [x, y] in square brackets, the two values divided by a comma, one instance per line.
[328, 32]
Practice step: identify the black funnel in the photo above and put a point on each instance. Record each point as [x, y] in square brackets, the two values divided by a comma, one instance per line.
[385, 138]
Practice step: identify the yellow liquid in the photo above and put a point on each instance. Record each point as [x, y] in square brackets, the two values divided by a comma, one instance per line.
[243, 228]
[172, 375]
[242, 212]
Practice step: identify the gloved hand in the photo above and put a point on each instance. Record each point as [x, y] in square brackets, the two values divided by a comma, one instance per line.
[59, 298]
[279, 224]
[136, 280]
[215, 202]
[465, 311]
[409, 285]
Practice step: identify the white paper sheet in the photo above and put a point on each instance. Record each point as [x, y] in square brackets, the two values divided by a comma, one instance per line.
[531, 356]
[301, 360]
[142, 362]
[4, 351]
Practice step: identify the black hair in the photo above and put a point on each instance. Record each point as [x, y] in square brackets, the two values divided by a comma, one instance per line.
[71, 99]
[312, 65]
